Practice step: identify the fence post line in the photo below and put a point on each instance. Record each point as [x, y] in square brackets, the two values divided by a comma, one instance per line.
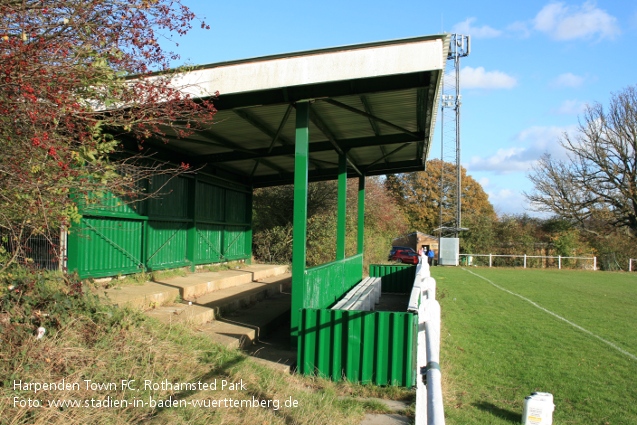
[630, 264]
[489, 259]
[559, 262]
[525, 261]
[594, 263]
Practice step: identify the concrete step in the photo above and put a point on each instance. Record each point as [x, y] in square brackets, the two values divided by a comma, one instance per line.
[233, 307]
[195, 285]
[223, 302]
[227, 300]
[143, 296]
[243, 327]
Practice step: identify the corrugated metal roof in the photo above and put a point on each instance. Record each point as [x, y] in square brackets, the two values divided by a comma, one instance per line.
[383, 120]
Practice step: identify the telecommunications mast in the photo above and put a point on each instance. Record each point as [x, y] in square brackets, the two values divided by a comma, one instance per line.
[450, 179]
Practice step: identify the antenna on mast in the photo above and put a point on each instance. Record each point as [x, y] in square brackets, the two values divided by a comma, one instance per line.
[450, 182]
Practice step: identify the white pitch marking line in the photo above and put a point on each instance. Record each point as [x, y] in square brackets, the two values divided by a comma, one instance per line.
[621, 350]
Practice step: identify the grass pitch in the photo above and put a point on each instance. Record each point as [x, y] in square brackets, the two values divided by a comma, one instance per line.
[509, 332]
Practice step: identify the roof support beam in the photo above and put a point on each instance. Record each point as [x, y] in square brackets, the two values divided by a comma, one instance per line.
[275, 136]
[373, 123]
[315, 147]
[369, 116]
[398, 149]
[316, 119]
[231, 145]
[368, 110]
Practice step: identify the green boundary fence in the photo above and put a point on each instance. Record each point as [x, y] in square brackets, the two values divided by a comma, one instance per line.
[193, 220]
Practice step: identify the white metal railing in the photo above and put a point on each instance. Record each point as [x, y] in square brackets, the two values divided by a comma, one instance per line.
[429, 406]
[526, 257]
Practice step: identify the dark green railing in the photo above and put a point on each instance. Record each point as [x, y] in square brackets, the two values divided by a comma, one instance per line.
[328, 282]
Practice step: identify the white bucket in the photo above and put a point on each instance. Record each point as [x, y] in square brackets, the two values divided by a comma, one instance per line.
[538, 409]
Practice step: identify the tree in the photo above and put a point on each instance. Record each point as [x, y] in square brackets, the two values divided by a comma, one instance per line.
[75, 76]
[273, 216]
[419, 196]
[597, 182]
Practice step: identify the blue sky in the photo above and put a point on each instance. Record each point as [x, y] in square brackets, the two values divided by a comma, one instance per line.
[533, 64]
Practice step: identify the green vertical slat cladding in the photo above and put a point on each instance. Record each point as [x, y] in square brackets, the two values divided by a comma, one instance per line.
[105, 247]
[301, 164]
[185, 224]
[192, 237]
[395, 278]
[235, 207]
[360, 346]
[210, 202]
[172, 200]
[208, 244]
[355, 345]
[166, 244]
[234, 246]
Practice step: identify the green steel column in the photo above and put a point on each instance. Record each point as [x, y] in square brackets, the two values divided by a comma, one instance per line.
[299, 235]
[341, 223]
[361, 214]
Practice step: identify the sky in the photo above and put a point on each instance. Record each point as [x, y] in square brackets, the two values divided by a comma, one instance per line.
[533, 67]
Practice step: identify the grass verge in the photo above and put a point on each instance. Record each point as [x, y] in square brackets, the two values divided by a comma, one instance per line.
[502, 339]
[121, 367]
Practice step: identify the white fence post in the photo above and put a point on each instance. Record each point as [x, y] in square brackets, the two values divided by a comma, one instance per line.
[490, 262]
[559, 262]
[525, 261]
[429, 406]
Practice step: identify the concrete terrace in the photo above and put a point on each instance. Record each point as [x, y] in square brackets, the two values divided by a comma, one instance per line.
[235, 308]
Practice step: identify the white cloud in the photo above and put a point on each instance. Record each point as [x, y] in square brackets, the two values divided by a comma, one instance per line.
[563, 22]
[568, 80]
[520, 28]
[472, 78]
[506, 201]
[466, 28]
[504, 161]
[571, 107]
[530, 143]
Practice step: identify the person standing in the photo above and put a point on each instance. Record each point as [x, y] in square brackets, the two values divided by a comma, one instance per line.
[430, 257]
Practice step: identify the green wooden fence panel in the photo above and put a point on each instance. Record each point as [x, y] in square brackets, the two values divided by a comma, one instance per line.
[360, 346]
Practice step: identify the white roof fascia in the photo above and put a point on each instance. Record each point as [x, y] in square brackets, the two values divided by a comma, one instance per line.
[353, 62]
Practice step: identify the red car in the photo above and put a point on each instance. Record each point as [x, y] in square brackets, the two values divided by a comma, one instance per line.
[405, 256]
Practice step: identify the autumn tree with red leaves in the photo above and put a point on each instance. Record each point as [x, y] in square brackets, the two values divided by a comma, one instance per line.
[75, 75]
